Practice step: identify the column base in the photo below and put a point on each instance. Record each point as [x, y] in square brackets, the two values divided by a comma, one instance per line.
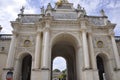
[45, 74]
[40, 74]
[90, 74]
[36, 74]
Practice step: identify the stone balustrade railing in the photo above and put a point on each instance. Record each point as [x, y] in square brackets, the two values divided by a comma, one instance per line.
[5, 36]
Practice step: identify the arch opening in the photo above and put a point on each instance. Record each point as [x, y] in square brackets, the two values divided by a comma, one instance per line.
[59, 70]
[103, 67]
[100, 67]
[67, 51]
[26, 67]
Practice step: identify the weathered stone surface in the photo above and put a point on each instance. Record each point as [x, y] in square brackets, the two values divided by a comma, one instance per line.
[61, 31]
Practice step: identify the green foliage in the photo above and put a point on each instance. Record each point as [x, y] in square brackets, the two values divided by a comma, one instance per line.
[64, 71]
[56, 70]
[62, 76]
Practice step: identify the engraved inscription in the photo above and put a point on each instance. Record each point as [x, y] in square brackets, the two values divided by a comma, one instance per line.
[65, 16]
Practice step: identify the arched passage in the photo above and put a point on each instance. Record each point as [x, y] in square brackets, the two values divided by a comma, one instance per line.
[26, 67]
[103, 67]
[23, 66]
[59, 70]
[64, 46]
[100, 67]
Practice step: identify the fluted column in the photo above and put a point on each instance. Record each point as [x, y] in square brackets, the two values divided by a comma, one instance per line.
[85, 50]
[11, 54]
[116, 54]
[92, 56]
[37, 51]
[45, 53]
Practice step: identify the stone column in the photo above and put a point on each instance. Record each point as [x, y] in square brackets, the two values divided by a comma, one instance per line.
[94, 72]
[79, 62]
[45, 70]
[11, 54]
[92, 56]
[116, 54]
[46, 46]
[37, 51]
[85, 50]
[17, 70]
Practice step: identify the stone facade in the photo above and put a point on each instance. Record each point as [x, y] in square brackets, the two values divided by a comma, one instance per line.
[80, 38]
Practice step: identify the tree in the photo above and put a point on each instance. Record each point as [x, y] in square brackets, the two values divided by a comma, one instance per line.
[56, 70]
[64, 71]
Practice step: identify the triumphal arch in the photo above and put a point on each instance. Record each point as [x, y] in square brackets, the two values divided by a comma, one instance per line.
[86, 42]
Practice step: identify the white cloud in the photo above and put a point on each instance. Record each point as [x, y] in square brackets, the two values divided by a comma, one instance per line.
[9, 10]
[59, 63]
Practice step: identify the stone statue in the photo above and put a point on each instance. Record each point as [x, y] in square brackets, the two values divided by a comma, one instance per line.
[49, 6]
[102, 12]
[79, 7]
[84, 11]
[42, 10]
[22, 10]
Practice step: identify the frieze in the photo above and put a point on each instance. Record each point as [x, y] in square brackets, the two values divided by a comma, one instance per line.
[65, 23]
[97, 21]
[28, 28]
[100, 31]
[30, 18]
[65, 16]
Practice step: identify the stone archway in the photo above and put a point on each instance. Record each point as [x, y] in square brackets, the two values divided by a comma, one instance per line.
[103, 67]
[26, 67]
[64, 46]
[23, 66]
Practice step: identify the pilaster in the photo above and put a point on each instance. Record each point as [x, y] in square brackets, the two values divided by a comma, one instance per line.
[37, 50]
[11, 54]
[45, 69]
[85, 50]
[116, 54]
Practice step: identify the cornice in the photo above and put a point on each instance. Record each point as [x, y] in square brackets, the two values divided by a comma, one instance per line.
[15, 23]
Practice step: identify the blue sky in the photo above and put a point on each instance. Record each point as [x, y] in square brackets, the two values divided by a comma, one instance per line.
[10, 8]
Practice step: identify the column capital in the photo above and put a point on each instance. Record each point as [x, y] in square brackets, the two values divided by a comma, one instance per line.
[84, 30]
[38, 32]
[15, 33]
[111, 32]
[46, 29]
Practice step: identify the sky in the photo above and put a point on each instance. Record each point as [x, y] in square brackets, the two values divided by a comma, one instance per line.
[59, 63]
[9, 9]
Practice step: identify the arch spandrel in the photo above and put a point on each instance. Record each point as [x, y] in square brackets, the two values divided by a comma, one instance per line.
[103, 54]
[23, 54]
